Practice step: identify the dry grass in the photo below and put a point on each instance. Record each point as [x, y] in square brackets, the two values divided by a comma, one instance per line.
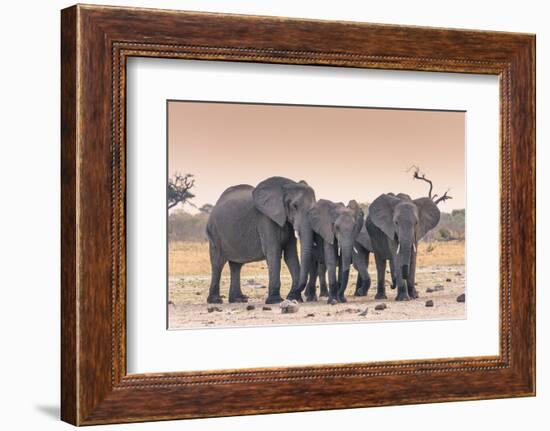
[440, 253]
[438, 263]
[191, 258]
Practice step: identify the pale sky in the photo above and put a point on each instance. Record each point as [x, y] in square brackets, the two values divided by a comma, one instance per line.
[343, 153]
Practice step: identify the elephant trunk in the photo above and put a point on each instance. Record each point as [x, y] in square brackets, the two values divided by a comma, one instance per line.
[345, 261]
[306, 247]
[405, 257]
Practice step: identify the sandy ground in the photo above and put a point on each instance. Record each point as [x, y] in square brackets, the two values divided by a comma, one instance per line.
[187, 307]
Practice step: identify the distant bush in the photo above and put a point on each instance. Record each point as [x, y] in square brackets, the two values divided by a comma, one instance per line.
[451, 226]
[444, 233]
[183, 226]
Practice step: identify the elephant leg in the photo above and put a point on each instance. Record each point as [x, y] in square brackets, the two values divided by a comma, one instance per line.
[331, 261]
[292, 263]
[358, 285]
[411, 283]
[311, 295]
[339, 267]
[217, 262]
[235, 292]
[322, 273]
[332, 284]
[402, 290]
[274, 264]
[381, 273]
[393, 275]
[361, 259]
[366, 279]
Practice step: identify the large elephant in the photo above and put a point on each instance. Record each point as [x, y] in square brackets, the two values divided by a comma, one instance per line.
[337, 227]
[395, 224]
[250, 224]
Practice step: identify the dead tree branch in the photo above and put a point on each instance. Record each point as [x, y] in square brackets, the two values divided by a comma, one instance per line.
[442, 198]
[418, 175]
[179, 189]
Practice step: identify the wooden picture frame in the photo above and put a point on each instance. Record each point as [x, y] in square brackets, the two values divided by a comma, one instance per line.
[95, 43]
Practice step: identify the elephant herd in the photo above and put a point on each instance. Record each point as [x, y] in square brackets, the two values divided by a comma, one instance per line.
[265, 222]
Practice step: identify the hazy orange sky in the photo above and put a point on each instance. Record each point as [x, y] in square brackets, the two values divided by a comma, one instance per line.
[343, 153]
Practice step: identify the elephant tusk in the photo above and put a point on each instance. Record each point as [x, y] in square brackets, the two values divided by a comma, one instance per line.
[339, 251]
[398, 248]
[355, 250]
[296, 234]
[414, 247]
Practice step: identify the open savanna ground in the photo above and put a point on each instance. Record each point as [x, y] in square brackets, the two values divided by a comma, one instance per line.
[439, 264]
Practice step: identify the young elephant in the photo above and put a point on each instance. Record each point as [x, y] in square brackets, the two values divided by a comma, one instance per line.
[395, 224]
[337, 227]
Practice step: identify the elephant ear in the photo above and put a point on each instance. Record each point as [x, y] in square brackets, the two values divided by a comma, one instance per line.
[381, 213]
[364, 239]
[321, 217]
[358, 216]
[428, 216]
[268, 198]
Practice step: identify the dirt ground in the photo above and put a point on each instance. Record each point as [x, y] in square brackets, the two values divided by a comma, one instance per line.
[440, 270]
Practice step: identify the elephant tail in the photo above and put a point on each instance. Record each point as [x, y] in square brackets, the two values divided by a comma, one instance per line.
[214, 246]
[209, 234]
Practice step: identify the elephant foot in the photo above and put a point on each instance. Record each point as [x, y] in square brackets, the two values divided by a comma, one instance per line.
[332, 301]
[380, 295]
[403, 296]
[296, 296]
[214, 299]
[239, 298]
[311, 298]
[273, 299]
[360, 292]
[413, 293]
[323, 293]
[342, 299]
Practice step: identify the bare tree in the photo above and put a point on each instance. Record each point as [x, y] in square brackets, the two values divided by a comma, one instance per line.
[179, 189]
[417, 175]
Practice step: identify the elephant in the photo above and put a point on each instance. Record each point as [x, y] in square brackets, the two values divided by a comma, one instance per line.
[360, 259]
[337, 227]
[395, 224]
[250, 224]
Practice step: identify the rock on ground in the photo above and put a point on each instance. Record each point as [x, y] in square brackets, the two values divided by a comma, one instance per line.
[288, 306]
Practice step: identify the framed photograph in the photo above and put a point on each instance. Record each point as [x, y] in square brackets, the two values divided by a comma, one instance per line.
[322, 214]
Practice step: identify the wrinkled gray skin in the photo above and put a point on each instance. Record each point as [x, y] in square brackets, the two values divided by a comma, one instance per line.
[395, 224]
[250, 224]
[361, 252]
[337, 227]
[318, 269]
[360, 260]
